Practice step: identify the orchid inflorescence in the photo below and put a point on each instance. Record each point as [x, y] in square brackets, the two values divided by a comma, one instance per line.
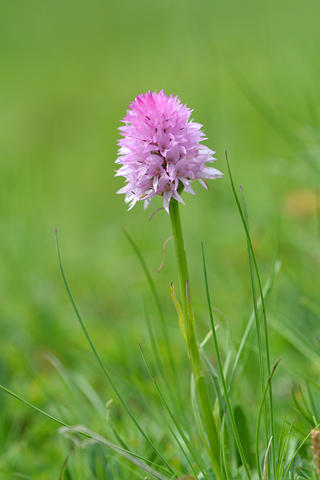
[161, 152]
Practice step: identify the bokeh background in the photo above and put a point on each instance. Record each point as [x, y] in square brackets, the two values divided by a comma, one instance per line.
[250, 70]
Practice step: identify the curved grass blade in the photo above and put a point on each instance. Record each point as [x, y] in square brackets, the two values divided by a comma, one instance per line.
[297, 451]
[161, 316]
[179, 429]
[259, 417]
[85, 432]
[215, 380]
[260, 349]
[64, 466]
[201, 387]
[314, 413]
[280, 447]
[223, 448]
[266, 291]
[255, 271]
[301, 410]
[105, 371]
[284, 451]
[224, 386]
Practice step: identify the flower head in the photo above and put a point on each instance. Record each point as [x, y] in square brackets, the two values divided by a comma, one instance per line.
[161, 150]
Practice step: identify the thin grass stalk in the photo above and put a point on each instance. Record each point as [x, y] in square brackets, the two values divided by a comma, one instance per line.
[201, 389]
[103, 368]
[309, 412]
[158, 358]
[313, 404]
[223, 448]
[284, 451]
[259, 416]
[280, 447]
[264, 315]
[224, 385]
[161, 316]
[261, 353]
[297, 451]
[266, 291]
[91, 435]
[302, 412]
[180, 430]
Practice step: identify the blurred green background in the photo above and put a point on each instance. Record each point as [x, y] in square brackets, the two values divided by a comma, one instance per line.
[250, 70]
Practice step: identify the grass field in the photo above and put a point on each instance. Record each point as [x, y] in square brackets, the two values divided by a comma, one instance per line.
[250, 70]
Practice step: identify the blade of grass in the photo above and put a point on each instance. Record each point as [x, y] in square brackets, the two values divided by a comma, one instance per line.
[64, 466]
[215, 380]
[224, 386]
[105, 371]
[179, 429]
[285, 451]
[313, 403]
[266, 291]
[161, 316]
[297, 451]
[257, 320]
[83, 431]
[301, 410]
[201, 387]
[223, 447]
[156, 351]
[259, 418]
[280, 446]
[290, 332]
[305, 402]
[264, 315]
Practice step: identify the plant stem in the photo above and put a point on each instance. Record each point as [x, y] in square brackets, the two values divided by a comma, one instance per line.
[192, 344]
[180, 251]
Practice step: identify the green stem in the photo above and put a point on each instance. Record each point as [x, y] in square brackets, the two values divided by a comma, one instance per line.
[192, 344]
[180, 251]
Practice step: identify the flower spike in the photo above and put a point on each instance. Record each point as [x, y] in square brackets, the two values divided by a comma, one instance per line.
[161, 152]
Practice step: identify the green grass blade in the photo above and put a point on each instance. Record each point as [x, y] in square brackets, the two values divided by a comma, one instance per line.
[161, 316]
[285, 451]
[223, 448]
[280, 446]
[156, 351]
[215, 380]
[179, 429]
[301, 410]
[266, 291]
[264, 315]
[64, 466]
[85, 432]
[290, 332]
[259, 418]
[97, 356]
[224, 386]
[260, 349]
[297, 451]
[313, 404]
[201, 387]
